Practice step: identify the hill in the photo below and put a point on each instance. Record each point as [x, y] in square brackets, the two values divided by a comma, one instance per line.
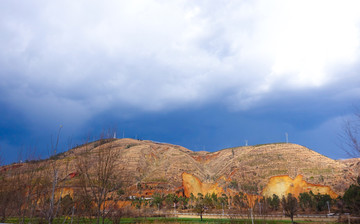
[145, 167]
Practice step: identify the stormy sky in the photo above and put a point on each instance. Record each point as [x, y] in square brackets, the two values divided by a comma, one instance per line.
[202, 74]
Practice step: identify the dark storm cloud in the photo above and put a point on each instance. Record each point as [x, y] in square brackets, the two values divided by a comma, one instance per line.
[67, 63]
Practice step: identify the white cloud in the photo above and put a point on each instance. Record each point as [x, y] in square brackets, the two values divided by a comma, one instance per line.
[311, 37]
[154, 55]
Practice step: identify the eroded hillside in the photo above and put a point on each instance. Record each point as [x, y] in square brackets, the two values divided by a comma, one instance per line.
[146, 167]
[283, 185]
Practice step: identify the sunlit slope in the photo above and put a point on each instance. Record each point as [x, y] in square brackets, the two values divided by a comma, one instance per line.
[172, 168]
[252, 166]
[283, 185]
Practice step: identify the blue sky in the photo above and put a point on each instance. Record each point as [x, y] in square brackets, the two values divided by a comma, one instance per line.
[201, 74]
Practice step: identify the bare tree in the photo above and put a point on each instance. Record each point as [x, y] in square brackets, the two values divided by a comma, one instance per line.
[11, 190]
[43, 184]
[1, 157]
[3, 192]
[97, 177]
[350, 136]
[6, 193]
[51, 211]
[19, 183]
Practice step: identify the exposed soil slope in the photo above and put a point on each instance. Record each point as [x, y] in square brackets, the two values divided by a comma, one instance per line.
[283, 185]
[171, 168]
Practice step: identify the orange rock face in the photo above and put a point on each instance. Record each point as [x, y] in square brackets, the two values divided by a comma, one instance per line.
[282, 185]
[193, 185]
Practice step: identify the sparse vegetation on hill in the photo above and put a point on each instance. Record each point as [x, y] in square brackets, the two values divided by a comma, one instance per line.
[101, 178]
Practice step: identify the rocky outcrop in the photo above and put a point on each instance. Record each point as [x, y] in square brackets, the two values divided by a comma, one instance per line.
[283, 185]
[279, 185]
[192, 185]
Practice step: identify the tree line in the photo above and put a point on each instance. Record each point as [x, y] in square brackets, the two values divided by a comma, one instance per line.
[42, 191]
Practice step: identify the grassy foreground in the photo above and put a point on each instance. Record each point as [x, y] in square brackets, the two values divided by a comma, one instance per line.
[197, 220]
[165, 220]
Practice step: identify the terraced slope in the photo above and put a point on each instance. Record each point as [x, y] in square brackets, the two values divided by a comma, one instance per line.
[160, 167]
[252, 166]
[353, 165]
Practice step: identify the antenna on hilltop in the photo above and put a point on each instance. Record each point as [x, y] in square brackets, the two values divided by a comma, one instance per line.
[287, 137]
[114, 134]
[246, 142]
